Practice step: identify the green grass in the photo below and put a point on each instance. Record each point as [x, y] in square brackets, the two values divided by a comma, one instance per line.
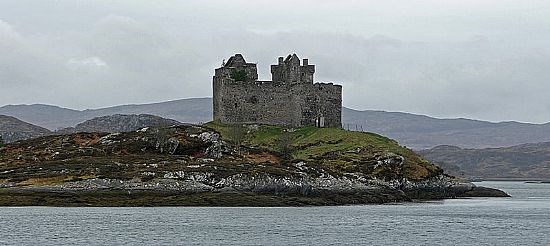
[335, 149]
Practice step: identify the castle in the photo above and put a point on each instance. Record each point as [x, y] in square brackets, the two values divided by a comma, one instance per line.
[291, 99]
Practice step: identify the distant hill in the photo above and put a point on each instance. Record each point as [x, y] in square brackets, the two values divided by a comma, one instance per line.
[522, 161]
[414, 131]
[423, 132]
[192, 110]
[120, 123]
[12, 129]
[47, 116]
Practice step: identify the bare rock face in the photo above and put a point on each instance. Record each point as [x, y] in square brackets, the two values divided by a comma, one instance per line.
[485, 192]
[13, 129]
[120, 123]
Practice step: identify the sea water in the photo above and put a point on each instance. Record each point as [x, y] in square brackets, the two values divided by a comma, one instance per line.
[523, 219]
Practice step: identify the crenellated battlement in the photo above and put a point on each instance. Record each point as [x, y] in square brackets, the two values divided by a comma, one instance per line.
[290, 71]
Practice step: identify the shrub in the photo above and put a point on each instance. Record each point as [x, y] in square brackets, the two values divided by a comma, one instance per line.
[239, 75]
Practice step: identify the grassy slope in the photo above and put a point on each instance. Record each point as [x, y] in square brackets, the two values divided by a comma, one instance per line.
[336, 149]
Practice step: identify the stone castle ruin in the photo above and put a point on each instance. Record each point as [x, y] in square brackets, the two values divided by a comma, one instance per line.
[290, 99]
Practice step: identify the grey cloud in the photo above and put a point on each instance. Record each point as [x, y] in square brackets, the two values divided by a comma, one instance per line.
[8, 36]
[477, 78]
[390, 56]
[22, 65]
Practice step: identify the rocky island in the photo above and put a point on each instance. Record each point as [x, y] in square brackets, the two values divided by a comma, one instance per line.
[272, 143]
[220, 165]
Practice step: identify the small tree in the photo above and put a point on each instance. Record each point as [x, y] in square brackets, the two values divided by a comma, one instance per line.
[237, 134]
[239, 76]
[284, 145]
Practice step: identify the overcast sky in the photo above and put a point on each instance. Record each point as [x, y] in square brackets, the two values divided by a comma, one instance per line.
[480, 59]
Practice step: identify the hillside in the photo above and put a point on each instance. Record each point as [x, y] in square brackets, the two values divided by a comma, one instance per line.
[47, 116]
[527, 161]
[120, 123]
[12, 129]
[338, 150]
[414, 131]
[192, 165]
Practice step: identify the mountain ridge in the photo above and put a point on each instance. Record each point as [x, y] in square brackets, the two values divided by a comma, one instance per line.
[412, 130]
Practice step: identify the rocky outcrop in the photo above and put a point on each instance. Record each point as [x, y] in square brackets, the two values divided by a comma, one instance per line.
[484, 192]
[120, 123]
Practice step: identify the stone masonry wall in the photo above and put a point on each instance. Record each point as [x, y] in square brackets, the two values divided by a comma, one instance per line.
[295, 101]
[262, 102]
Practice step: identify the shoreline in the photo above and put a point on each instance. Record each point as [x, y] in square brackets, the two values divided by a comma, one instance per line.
[15, 197]
[534, 180]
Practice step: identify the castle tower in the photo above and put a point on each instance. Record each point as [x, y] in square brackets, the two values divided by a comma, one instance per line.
[290, 71]
[236, 68]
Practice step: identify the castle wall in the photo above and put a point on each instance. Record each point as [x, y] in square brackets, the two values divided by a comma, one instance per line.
[329, 103]
[292, 72]
[319, 105]
[291, 99]
[261, 102]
